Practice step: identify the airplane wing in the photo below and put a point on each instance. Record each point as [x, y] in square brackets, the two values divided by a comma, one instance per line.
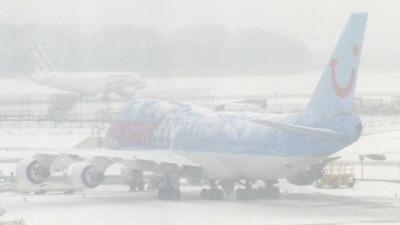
[310, 131]
[135, 158]
[158, 156]
[86, 167]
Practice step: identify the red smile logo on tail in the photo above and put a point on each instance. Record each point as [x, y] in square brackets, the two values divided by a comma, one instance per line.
[343, 91]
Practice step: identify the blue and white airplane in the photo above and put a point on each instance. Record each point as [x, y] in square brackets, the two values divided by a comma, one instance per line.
[176, 139]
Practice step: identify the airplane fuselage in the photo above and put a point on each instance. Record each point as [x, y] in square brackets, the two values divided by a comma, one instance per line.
[229, 145]
[90, 83]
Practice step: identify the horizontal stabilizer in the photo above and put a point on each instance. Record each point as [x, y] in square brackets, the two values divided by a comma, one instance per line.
[310, 131]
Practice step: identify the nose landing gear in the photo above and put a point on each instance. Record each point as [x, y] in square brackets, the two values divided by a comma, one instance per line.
[214, 192]
[169, 189]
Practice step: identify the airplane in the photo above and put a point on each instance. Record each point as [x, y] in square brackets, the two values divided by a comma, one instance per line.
[84, 83]
[177, 140]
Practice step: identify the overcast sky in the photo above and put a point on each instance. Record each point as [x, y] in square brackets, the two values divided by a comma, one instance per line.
[307, 18]
[318, 23]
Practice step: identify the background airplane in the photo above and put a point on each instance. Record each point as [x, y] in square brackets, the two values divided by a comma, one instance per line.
[85, 83]
[175, 139]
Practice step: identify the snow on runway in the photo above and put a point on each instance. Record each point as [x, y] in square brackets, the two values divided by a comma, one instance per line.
[114, 205]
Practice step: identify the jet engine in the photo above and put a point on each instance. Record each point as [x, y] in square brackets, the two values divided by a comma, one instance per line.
[307, 177]
[32, 171]
[85, 175]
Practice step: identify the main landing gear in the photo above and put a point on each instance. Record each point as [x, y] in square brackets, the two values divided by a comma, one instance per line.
[214, 192]
[268, 191]
[219, 190]
[169, 188]
[136, 182]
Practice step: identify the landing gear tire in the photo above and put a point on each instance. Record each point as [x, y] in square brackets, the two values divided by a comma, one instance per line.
[169, 189]
[228, 186]
[137, 185]
[69, 192]
[40, 192]
[169, 194]
[270, 193]
[247, 194]
[241, 194]
[212, 194]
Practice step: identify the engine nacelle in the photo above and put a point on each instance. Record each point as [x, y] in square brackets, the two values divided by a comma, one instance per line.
[31, 171]
[85, 175]
[306, 177]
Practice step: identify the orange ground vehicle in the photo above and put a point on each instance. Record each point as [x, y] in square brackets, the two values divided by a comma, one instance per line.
[337, 176]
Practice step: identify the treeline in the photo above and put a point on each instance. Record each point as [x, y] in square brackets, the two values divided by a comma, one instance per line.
[191, 51]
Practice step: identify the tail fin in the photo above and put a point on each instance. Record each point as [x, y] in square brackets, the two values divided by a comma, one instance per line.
[43, 62]
[335, 91]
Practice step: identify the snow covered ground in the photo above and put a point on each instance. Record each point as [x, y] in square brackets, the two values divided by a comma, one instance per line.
[365, 204]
